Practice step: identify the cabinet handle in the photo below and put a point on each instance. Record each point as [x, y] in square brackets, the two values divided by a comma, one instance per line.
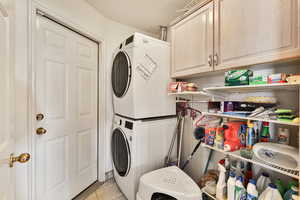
[210, 60]
[216, 59]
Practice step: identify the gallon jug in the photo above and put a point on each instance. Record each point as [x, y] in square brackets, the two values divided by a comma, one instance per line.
[293, 191]
[221, 185]
[252, 193]
[231, 186]
[263, 182]
[271, 193]
[240, 191]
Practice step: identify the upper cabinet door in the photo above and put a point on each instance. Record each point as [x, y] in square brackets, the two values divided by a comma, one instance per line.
[254, 31]
[192, 43]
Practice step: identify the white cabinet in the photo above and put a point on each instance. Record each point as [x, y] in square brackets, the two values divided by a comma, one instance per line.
[249, 32]
[235, 33]
[192, 43]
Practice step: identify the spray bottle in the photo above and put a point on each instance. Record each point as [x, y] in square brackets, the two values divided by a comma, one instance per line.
[221, 185]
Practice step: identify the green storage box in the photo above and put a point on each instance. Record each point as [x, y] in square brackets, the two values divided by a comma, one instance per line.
[237, 77]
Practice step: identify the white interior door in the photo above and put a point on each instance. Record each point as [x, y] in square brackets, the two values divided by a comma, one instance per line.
[66, 96]
[7, 122]
[6, 141]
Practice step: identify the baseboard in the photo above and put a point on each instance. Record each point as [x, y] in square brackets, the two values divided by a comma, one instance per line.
[109, 175]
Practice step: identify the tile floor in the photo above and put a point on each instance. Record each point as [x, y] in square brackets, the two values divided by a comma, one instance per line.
[107, 191]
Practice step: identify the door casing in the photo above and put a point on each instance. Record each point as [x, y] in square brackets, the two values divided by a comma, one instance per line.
[30, 92]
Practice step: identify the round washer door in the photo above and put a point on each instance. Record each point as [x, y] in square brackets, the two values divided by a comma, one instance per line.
[121, 74]
[120, 152]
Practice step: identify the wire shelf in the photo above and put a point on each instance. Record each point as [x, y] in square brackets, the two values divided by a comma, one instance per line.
[191, 4]
[236, 154]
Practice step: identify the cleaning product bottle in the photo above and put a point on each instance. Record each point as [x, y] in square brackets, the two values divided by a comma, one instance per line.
[250, 141]
[252, 193]
[232, 139]
[265, 133]
[263, 182]
[271, 193]
[272, 132]
[293, 191]
[219, 141]
[240, 191]
[257, 128]
[239, 171]
[248, 173]
[221, 185]
[231, 186]
[243, 135]
[280, 186]
[292, 183]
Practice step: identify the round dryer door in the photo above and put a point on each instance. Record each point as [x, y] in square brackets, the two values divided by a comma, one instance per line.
[120, 152]
[121, 74]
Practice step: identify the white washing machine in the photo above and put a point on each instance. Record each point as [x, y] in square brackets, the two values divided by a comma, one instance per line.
[138, 147]
[140, 77]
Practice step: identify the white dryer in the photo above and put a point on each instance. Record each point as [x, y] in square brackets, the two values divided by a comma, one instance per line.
[140, 77]
[139, 147]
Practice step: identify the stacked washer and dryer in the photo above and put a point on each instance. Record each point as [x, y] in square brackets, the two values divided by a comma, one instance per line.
[144, 113]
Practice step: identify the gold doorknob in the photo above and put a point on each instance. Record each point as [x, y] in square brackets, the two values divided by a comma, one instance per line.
[22, 158]
[41, 131]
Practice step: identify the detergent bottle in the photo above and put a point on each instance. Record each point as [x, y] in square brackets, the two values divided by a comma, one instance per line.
[265, 133]
[293, 191]
[292, 183]
[221, 185]
[280, 186]
[239, 171]
[251, 138]
[243, 135]
[271, 193]
[263, 182]
[252, 193]
[248, 173]
[231, 186]
[240, 191]
[219, 141]
[232, 139]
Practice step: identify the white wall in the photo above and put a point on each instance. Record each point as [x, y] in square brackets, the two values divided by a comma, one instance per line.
[78, 12]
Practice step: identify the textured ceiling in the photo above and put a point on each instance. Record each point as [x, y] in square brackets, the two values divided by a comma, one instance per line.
[146, 15]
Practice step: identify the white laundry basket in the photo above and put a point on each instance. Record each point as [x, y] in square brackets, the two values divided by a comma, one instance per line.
[169, 183]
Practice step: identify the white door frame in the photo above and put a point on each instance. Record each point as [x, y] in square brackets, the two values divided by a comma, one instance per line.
[33, 7]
